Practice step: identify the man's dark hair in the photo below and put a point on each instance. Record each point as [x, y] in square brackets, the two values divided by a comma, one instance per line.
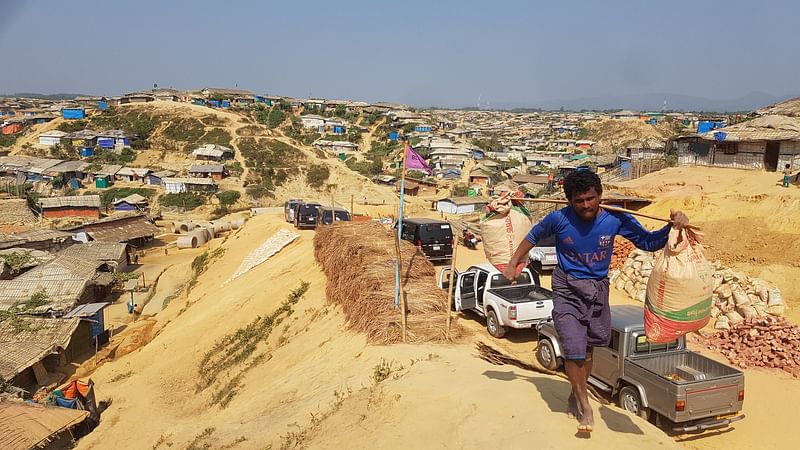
[580, 181]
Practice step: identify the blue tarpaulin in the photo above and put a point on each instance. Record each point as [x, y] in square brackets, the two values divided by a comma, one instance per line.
[73, 113]
[87, 151]
[393, 136]
[720, 135]
[105, 142]
[226, 104]
[102, 106]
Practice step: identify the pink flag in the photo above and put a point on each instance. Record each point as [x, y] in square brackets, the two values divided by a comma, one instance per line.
[415, 161]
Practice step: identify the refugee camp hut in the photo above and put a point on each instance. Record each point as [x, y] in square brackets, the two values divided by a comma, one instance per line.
[481, 176]
[92, 316]
[83, 139]
[156, 178]
[26, 426]
[460, 205]
[39, 239]
[178, 185]
[110, 139]
[132, 228]
[213, 152]
[73, 113]
[103, 176]
[12, 126]
[133, 202]
[132, 174]
[214, 171]
[108, 256]
[767, 143]
[38, 349]
[86, 206]
[51, 138]
[411, 188]
[69, 172]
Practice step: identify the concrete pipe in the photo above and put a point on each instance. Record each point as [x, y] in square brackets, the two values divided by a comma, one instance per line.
[237, 223]
[202, 236]
[186, 242]
[221, 225]
[209, 229]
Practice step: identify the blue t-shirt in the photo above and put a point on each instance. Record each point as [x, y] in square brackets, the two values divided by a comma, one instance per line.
[584, 248]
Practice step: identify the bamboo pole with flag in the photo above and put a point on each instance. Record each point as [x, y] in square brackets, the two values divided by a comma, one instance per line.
[411, 160]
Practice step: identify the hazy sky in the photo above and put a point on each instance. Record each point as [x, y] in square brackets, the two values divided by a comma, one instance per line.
[421, 53]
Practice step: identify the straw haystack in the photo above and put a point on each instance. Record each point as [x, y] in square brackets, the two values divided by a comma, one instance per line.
[359, 261]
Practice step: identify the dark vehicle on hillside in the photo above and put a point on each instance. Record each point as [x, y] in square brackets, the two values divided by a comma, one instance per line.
[305, 215]
[433, 237]
[328, 216]
[663, 382]
[288, 209]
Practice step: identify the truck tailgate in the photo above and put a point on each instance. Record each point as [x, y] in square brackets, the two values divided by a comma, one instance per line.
[534, 311]
[704, 399]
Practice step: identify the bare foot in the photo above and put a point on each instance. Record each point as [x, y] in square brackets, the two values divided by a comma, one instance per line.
[573, 409]
[586, 423]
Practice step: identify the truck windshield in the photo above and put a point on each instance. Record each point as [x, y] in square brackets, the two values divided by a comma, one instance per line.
[500, 281]
[340, 215]
[308, 209]
[645, 346]
[435, 231]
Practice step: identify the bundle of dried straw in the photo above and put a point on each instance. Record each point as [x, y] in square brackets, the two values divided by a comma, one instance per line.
[359, 261]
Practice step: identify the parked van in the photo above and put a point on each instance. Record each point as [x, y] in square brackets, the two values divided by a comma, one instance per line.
[288, 209]
[327, 216]
[305, 215]
[433, 237]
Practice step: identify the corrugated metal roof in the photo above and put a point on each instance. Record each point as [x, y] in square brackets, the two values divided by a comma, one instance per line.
[202, 168]
[133, 171]
[96, 251]
[87, 310]
[133, 199]
[206, 181]
[69, 166]
[123, 232]
[91, 201]
[24, 426]
[63, 267]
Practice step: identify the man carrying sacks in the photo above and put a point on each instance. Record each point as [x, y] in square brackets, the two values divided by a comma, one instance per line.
[584, 243]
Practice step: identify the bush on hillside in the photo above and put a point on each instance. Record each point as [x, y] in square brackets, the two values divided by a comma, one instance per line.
[185, 200]
[228, 198]
[7, 140]
[108, 196]
[72, 126]
[217, 136]
[185, 130]
[275, 118]
[317, 175]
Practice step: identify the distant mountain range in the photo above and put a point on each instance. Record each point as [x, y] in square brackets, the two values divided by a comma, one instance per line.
[655, 102]
[44, 96]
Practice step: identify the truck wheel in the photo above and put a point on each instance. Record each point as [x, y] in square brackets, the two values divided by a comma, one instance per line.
[493, 325]
[630, 401]
[546, 355]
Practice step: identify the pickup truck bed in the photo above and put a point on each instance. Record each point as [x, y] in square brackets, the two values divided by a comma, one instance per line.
[711, 392]
[521, 294]
[668, 366]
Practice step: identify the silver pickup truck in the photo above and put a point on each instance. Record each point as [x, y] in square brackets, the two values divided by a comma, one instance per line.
[485, 291]
[666, 383]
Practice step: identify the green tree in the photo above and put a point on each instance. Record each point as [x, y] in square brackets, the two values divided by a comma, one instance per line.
[228, 198]
[275, 118]
[340, 111]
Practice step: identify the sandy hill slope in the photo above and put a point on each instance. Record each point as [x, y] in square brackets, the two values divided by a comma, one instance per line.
[750, 222]
[216, 377]
[789, 107]
[610, 134]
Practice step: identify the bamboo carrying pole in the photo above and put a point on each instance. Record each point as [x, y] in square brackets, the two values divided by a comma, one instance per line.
[399, 266]
[450, 285]
[606, 207]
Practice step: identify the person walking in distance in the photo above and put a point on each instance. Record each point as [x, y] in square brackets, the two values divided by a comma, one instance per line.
[787, 175]
[584, 243]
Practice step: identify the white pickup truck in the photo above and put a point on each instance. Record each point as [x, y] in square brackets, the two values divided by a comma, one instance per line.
[484, 290]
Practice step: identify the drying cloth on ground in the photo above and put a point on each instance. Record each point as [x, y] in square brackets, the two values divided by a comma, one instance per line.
[264, 252]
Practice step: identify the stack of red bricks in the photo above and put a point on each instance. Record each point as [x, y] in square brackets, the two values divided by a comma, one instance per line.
[760, 342]
[622, 248]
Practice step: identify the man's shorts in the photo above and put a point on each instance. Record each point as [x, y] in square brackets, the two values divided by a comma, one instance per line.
[581, 313]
